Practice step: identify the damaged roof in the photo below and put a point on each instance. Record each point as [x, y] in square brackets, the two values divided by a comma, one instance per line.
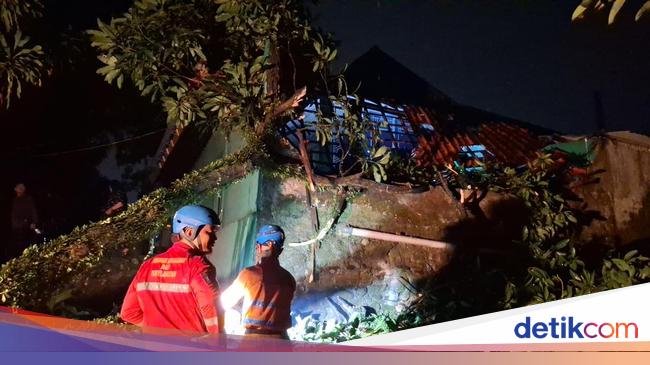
[413, 118]
[417, 120]
[420, 132]
[507, 143]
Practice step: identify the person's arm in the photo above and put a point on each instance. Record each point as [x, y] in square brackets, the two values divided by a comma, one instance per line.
[206, 291]
[33, 213]
[231, 296]
[131, 311]
[115, 207]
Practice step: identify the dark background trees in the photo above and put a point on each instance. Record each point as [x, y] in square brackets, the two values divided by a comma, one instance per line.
[58, 133]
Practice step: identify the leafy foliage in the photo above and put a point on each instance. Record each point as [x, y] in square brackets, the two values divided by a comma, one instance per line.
[168, 49]
[358, 326]
[553, 262]
[217, 62]
[559, 271]
[13, 12]
[359, 138]
[156, 44]
[57, 270]
[19, 63]
[613, 7]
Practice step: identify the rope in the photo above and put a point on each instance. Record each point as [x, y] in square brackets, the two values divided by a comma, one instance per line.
[320, 236]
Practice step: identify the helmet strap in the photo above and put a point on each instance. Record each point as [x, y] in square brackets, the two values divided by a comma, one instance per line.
[267, 254]
[194, 239]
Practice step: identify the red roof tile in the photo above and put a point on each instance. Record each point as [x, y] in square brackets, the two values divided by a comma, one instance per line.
[510, 144]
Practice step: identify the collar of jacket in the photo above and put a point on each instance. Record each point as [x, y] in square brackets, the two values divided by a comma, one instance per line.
[181, 245]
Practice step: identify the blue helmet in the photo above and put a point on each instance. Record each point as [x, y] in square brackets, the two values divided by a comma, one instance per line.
[193, 216]
[270, 233]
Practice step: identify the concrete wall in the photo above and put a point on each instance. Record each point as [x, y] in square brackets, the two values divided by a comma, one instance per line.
[358, 274]
[620, 200]
[354, 274]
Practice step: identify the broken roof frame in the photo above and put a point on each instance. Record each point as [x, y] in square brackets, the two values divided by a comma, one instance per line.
[389, 123]
[413, 132]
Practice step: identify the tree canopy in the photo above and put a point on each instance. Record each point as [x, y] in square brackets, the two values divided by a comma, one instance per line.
[212, 62]
[227, 65]
[612, 7]
[20, 61]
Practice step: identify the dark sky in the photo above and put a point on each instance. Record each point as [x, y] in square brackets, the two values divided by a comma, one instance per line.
[519, 58]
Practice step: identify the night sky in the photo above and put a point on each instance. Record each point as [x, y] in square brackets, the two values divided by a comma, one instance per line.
[519, 58]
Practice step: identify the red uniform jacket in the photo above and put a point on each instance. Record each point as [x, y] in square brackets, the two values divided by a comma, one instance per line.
[177, 290]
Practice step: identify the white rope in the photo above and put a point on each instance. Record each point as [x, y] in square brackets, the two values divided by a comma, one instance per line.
[320, 236]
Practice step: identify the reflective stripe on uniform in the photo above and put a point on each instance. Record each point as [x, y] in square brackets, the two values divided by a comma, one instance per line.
[260, 304]
[256, 322]
[211, 321]
[164, 287]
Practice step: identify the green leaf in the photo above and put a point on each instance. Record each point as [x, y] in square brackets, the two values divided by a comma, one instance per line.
[385, 160]
[380, 152]
[571, 218]
[613, 12]
[355, 322]
[255, 68]
[645, 9]
[623, 265]
[375, 173]
[645, 273]
[19, 41]
[199, 52]
[332, 56]
[147, 90]
[562, 244]
[120, 79]
[180, 83]
[630, 254]
[578, 13]
[222, 17]
[112, 75]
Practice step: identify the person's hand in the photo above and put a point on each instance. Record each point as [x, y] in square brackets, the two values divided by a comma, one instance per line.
[233, 324]
[32, 226]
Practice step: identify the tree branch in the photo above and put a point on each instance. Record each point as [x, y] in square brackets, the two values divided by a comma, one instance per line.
[284, 107]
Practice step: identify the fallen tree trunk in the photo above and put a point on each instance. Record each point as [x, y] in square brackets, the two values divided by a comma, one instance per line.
[100, 257]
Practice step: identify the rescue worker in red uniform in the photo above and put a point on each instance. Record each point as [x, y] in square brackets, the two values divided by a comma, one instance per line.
[178, 289]
[267, 289]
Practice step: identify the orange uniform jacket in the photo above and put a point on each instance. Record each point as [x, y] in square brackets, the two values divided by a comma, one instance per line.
[177, 290]
[268, 291]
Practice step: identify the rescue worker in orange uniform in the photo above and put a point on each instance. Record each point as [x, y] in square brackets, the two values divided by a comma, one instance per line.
[267, 289]
[178, 289]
